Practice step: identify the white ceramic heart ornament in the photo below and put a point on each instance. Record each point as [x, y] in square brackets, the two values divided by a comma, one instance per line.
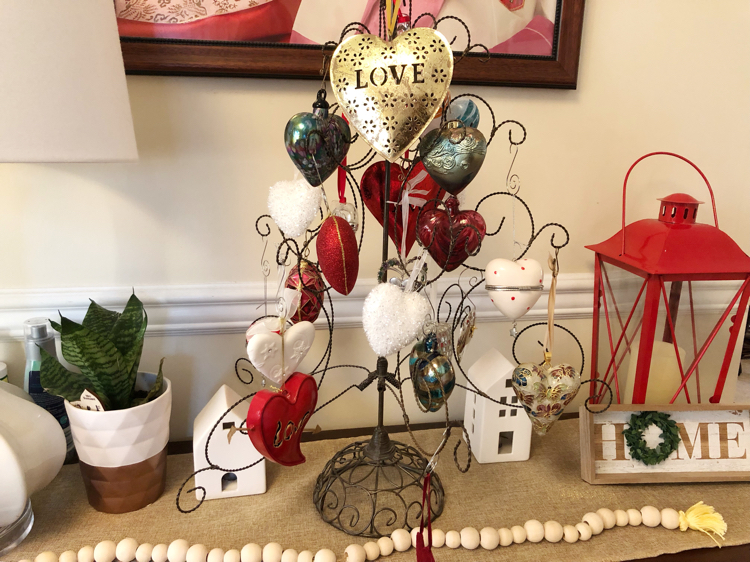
[514, 286]
[544, 391]
[393, 318]
[293, 205]
[277, 356]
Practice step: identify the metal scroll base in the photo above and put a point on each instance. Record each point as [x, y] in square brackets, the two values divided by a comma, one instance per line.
[371, 488]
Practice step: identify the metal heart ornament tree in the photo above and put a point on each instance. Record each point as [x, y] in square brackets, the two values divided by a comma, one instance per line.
[390, 92]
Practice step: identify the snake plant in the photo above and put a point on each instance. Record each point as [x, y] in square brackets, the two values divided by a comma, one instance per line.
[106, 347]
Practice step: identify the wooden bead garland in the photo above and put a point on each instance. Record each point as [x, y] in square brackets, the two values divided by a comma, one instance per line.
[593, 523]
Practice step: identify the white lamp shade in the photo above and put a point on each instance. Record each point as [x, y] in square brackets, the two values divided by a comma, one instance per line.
[63, 95]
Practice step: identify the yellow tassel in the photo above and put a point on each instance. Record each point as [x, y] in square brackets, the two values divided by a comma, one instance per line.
[703, 518]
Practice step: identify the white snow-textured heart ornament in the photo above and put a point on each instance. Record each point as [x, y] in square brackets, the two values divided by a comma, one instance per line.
[293, 205]
[393, 318]
[277, 355]
[391, 91]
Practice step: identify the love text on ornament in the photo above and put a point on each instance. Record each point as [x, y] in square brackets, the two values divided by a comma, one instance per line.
[380, 75]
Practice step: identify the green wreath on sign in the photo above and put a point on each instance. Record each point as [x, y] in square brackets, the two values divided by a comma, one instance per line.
[639, 450]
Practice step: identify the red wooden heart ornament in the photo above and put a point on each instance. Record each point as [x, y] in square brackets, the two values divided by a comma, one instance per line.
[338, 254]
[438, 226]
[275, 420]
[423, 189]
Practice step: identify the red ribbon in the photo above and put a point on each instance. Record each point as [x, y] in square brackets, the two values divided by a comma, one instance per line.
[424, 552]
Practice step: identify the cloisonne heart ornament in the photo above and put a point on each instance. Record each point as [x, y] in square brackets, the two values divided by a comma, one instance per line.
[317, 142]
[544, 390]
[391, 91]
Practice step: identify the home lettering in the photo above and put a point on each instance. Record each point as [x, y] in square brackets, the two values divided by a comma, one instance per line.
[380, 75]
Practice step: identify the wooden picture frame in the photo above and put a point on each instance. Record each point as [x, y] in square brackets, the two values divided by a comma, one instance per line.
[599, 468]
[210, 58]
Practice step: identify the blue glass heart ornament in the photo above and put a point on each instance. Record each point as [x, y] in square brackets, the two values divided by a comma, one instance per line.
[317, 142]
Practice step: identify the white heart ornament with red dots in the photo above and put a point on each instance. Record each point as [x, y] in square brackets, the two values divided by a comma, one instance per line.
[514, 286]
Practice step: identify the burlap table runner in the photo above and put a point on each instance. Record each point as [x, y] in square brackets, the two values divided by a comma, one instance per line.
[547, 486]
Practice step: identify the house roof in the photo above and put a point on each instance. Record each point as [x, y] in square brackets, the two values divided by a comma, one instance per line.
[490, 369]
[213, 410]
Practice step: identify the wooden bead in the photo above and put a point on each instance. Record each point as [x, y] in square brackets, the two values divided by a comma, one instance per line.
[251, 553]
[289, 555]
[489, 538]
[372, 550]
[158, 554]
[355, 553]
[232, 555]
[670, 519]
[519, 534]
[534, 530]
[438, 538]
[68, 556]
[584, 531]
[506, 536]
[570, 534]
[125, 551]
[326, 555]
[469, 538]
[595, 522]
[199, 553]
[272, 552]
[143, 552]
[452, 539]
[216, 555]
[651, 516]
[401, 540]
[46, 556]
[608, 517]
[634, 517]
[385, 544]
[86, 554]
[621, 518]
[553, 531]
[414, 533]
[177, 551]
[305, 556]
[105, 552]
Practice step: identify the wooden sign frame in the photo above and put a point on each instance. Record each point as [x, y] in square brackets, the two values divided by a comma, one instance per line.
[708, 426]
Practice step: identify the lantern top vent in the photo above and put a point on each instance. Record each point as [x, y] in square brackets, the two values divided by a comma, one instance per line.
[678, 208]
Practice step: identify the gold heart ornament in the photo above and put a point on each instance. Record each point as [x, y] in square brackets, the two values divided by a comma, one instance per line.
[390, 92]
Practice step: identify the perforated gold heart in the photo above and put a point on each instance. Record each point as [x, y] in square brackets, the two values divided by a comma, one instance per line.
[391, 91]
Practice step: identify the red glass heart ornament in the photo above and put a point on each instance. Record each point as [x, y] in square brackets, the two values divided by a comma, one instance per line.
[423, 189]
[338, 254]
[439, 227]
[307, 280]
[275, 420]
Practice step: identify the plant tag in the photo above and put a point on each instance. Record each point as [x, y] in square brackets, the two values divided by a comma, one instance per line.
[88, 401]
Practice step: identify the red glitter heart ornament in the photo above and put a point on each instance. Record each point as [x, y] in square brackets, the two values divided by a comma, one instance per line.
[338, 254]
[275, 420]
[437, 227]
[423, 189]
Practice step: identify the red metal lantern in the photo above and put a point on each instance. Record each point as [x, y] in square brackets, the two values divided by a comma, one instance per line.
[674, 250]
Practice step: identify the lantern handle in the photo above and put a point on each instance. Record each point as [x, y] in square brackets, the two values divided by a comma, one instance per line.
[625, 184]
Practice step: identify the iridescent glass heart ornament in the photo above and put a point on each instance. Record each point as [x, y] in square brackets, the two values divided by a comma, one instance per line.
[316, 142]
[544, 391]
[453, 155]
[431, 370]
[391, 91]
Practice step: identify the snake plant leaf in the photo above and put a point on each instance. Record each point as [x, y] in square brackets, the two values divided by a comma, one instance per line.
[155, 389]
[100, 320]
[99, 360]
[58, 380]
[128, 333]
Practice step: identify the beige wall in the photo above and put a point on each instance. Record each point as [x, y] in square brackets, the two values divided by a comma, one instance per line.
[670, 75]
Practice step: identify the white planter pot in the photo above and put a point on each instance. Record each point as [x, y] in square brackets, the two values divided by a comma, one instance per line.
[122, 453]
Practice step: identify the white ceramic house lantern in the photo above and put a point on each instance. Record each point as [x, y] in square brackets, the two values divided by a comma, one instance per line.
[229, 448]
[498, 433]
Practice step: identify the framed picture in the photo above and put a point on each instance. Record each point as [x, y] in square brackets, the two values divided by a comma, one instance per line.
[528, 42]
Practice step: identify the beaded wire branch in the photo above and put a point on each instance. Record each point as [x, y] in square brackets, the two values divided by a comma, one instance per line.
[290, 251]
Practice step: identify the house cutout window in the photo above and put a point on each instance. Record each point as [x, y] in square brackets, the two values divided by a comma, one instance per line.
[508, 383]
[502, 412]
[227, 425]
[505, 443]
[229, 482]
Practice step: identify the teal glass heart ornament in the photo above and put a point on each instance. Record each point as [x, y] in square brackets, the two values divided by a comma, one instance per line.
[453, 155]
[317, 142]
[431, 371]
